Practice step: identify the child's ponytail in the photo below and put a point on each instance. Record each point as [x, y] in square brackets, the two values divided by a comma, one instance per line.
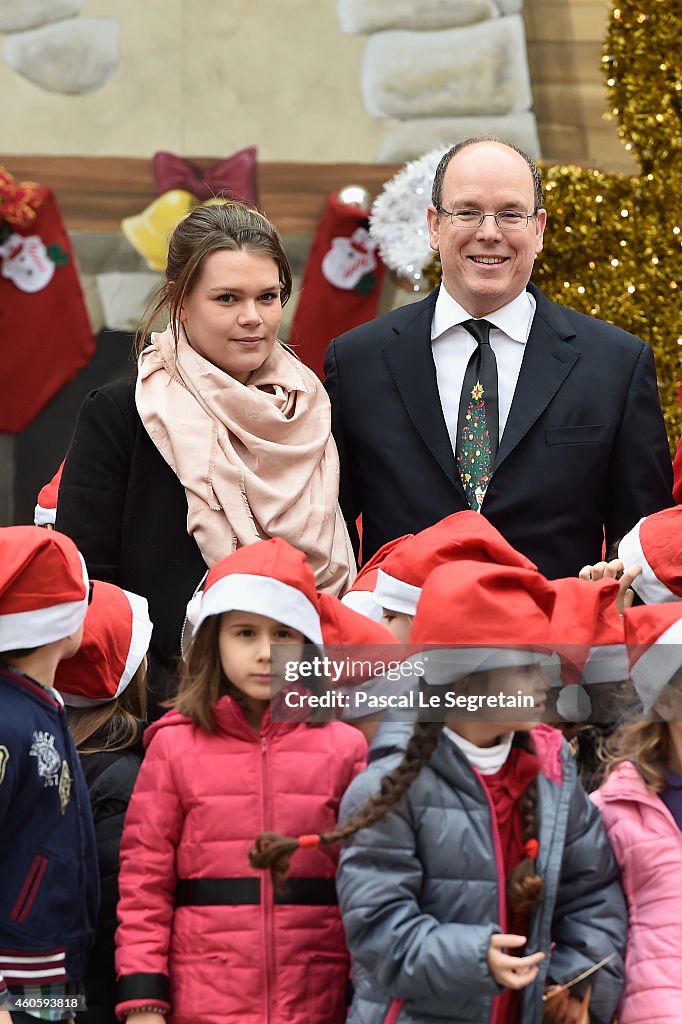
[274, 851]
[524, 885]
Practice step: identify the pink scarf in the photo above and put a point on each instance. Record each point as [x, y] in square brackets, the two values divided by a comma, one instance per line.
[257, 460]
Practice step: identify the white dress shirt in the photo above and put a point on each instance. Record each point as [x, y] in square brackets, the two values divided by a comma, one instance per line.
[452, 346]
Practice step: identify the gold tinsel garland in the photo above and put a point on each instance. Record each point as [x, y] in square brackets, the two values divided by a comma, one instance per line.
[614, 243]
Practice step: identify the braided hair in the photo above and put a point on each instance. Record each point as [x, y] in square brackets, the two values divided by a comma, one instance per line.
[274, 851]
[524, 886]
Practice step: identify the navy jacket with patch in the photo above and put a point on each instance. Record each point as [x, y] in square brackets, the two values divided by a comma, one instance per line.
[48, 861]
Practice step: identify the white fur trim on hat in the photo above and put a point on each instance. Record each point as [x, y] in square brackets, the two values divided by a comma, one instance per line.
[22, 630]
[448, 665]
[361, 601]
[606, 663]
[139, 640]
[647, 584]
[395, 595]
[44, 516]
[140, 636]
[262, 595]
[654, 669]
[573, 703]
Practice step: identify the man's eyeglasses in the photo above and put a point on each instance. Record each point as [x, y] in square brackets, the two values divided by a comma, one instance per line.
[506, 220]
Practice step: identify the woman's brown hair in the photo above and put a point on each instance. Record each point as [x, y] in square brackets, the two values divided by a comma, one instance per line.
[207, 229]
[274, 851]
[117, 725]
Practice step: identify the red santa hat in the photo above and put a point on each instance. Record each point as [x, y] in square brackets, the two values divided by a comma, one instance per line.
[655, 543]
[45, 512]
[498, 615]
[343, 628]
[269, 578]
[463, 535]
[43, 587]
[653, 634]
[588, 630]
[342, 625]
[360, 596]
[588, 633]
[116, 638]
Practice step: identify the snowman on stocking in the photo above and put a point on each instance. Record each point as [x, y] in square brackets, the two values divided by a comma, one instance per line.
[25, 262]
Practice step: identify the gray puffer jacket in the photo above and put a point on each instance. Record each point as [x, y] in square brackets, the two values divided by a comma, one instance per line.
[421, 893]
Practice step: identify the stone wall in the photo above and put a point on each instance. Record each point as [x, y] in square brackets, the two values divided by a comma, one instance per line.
[440, 72]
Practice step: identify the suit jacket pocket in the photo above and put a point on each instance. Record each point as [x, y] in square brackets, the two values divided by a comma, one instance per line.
[593, 433]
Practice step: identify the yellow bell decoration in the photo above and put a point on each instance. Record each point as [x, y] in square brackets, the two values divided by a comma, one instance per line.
[148, 232]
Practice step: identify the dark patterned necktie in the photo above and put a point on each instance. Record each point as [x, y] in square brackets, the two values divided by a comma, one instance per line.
[477, 423]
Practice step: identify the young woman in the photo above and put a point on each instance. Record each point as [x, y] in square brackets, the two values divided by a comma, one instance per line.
[201, 936]
[223, 439]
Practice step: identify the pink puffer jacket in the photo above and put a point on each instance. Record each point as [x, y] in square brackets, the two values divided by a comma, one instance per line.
[648, 846]
[199, 928]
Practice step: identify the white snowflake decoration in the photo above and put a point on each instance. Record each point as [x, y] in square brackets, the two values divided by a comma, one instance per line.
[398, 217]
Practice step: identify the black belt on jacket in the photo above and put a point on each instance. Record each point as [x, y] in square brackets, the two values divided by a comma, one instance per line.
[233, 892]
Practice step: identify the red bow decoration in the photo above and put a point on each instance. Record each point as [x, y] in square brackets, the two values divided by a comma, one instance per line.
[19, 200]
[234, 178]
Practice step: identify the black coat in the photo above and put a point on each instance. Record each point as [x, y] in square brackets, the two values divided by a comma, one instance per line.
[583, 454]
[127, 511]
[110, 777]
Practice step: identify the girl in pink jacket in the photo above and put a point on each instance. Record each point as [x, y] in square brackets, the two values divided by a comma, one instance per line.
[641, 802]
[202, 937]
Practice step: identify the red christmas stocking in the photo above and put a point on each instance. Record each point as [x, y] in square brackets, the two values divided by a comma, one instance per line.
[341, 284]
[44, 325]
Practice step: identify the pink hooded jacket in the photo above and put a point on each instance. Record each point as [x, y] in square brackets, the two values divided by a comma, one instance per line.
[648, 846]
[200, 930]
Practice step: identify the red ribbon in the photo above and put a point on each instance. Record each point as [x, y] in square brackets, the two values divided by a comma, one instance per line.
[309, 841]
[19, 200]
[531, 849]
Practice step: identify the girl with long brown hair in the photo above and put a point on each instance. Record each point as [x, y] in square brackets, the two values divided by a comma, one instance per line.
[223, 437]
[475, 870]
[641, 802]
[201, 936]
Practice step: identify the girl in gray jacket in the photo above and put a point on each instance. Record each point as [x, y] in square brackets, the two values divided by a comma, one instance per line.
[469, 836]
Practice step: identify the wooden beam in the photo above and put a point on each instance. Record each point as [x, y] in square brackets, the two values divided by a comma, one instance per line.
[96, 193]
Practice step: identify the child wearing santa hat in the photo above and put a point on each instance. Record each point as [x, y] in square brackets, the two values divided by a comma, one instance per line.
[104, 688]
[401, 573]
[641, 802]
[201, 935]
[469, 838]
[48, 864]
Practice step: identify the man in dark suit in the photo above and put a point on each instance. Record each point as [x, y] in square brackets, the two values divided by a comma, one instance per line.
[572, 449]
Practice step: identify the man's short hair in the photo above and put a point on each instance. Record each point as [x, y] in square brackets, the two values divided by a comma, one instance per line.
[437, 191]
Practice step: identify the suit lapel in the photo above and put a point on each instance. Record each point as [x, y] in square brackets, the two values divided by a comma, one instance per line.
[409, 359]
[547, 362]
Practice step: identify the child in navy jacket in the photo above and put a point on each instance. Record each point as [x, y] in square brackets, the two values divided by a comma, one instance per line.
[49, 892]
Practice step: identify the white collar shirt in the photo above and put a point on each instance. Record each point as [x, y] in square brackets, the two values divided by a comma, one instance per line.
[452, 345]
